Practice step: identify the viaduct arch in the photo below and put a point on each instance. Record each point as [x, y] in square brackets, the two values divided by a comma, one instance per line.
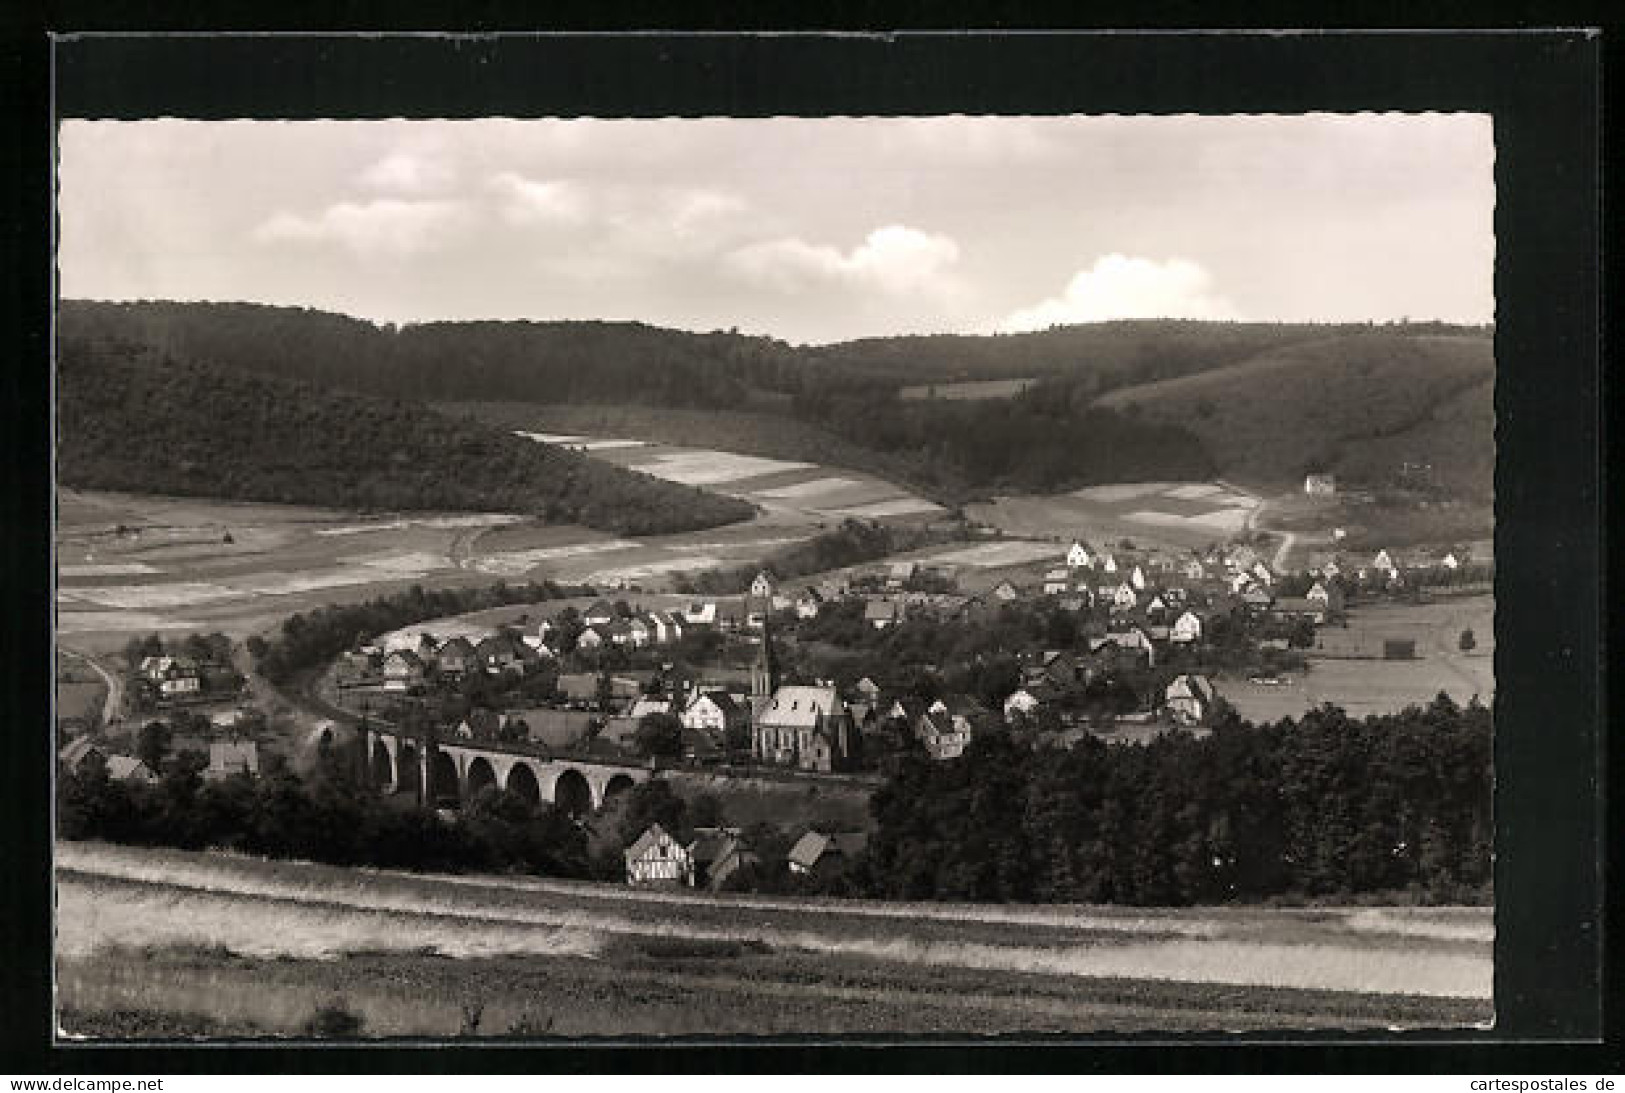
[459, 770]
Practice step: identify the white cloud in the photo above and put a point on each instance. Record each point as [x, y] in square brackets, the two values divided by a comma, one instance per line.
[893, 259]
[1121, 287]
[528, 202]
[382, 228]
[408, 174]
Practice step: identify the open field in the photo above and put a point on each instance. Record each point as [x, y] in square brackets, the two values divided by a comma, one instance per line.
[1382, 686]
[781, 487]
[258, 945]
[173, 570]
[1172, 514]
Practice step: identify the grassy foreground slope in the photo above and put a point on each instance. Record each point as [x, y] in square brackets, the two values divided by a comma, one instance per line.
[1359, 406]
[157, 938]
[134, 421]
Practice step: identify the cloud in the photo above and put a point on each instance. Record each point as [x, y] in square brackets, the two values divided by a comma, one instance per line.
[1121, 287]
[893, 259]
[384, 228]
[408, 174]
[528, 202]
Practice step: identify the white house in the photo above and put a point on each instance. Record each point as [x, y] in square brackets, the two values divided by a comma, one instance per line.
[1137, 579]
[1077, 555]
[1108, 564]
[1055, 582]
[1384, 562]
[1124, 598]
[657, 858]
[762, 587]
[1022, 701]
[1450, 562]
[701, 614]
[1320, 485]
[1189, 698]
[1187, 628]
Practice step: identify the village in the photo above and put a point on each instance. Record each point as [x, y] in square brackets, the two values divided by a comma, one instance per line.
[841, 676]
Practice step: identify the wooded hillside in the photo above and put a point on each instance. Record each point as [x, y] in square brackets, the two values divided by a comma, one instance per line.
[129, 419]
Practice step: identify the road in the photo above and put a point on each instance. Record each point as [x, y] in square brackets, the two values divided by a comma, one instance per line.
[115, 689]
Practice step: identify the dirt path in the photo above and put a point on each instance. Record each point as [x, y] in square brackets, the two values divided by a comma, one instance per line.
[115, 689]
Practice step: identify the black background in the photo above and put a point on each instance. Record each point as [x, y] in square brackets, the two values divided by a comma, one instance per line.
[1542, 88]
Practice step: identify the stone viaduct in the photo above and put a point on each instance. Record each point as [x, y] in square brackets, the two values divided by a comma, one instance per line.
[460, 769]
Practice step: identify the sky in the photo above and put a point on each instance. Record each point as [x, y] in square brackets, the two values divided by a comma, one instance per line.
[809, 230]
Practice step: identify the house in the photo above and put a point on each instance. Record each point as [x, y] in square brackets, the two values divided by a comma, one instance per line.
[899, 575]
[1056, 581]
[1108, 564]
[123, 768]
[646, 705]
[1135, 640]
[601, 613]
[762, 587]
[808, 603]
[80, 751]
[1193, 570]
[1187, 628]
[700, 614]
[593, 638]
[716, 854]
[1055, 667]
[882, 613]
[714, 712]
[1137, 579]
[732, 616]
[1320, 485]
[180, 679]
[868, 689]
[153, 668]
[1384, 562]
[1450, 561]
[502, 653]
[1157, 605]
[457, 658]
[1025, 699]
[1005, 592]
[1300, 607]
[945, 727]
[1078, 556]
[637, 631]
[1263, 572]
[1124, 598]
[1330, 569]
[665, 627]
[356, 668]
[818, 852]
[1189, 699]
[657, 858]
[1256, 599]
[403, 671]
[228, 757]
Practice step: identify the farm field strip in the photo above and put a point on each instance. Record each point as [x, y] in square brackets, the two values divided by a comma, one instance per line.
[96, 622]
[107, 569]
[1416, 968]
[812, 488]
[997, 555]
[511, 563]
[902, 506]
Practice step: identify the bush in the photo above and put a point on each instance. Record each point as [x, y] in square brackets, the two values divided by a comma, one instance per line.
[334, 1021]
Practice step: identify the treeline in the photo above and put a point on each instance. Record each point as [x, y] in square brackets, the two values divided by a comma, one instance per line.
[1032, 442]
[854, 542]
[129, 419]
[311, 639]
[1322, 808]
[327, 818]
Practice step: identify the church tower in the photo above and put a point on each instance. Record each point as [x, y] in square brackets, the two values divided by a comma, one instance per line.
[764, 675]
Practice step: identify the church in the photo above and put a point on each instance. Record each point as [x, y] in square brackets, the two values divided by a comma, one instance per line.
[803, 726]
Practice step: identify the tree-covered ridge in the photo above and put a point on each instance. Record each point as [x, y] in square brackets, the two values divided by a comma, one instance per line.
[1077, 426]
[129, 419]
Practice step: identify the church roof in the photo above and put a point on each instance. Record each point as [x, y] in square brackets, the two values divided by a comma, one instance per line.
[797, 706]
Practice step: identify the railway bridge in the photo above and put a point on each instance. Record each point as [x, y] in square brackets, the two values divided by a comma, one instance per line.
[456, 770]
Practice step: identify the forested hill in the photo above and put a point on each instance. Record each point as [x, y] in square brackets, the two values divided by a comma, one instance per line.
[131, 419]
[1076, 426]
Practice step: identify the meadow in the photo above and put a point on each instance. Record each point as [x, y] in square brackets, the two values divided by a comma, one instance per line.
[1175, 515]
[1381, 686]
[256, 946]
[966, 389]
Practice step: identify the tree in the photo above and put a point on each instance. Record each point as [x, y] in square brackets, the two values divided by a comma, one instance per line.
[152, 745]
[660, 734]
[1467, 642]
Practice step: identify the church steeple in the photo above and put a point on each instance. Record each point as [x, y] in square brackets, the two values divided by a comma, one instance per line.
[764, 675]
